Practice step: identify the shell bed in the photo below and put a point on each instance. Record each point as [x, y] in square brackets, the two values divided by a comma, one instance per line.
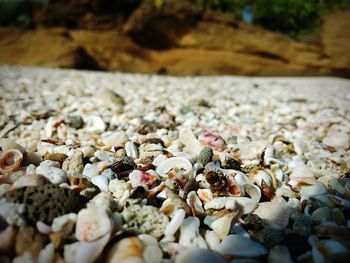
[111, 167]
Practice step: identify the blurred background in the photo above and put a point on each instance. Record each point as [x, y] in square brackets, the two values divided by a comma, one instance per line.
[183, 37]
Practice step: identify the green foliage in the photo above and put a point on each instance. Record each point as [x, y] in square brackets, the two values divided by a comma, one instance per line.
[292, 16]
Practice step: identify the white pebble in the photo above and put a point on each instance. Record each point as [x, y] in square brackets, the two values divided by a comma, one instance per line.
[101, 182]
[53, 174]
[118, 138]
[175, 222]
[90, 170]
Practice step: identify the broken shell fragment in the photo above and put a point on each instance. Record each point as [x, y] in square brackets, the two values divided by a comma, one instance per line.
[10, 160]
[174, 167]
[128, 249]
[92, 223]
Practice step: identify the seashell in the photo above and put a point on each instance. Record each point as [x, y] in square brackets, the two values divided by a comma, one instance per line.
[131, 150]
[152, 254]
[237, 245]
[192, 145]
[310, 191]
[275, 213]
[92, 223]
[88, 252]
[263, 176]
[10, 160]
[101, 182]
[198, 255]
[189, 233]
[336, 139]
[246, 205]
[47, 254]
[222, 225]
[52, 174]
[321, 214]
[279, 254]
[118, 138]
[212, 140]
[29, 180]
[43, 228]
[128, 249]
[323, 250]
[252, 191]
[212, 240]
[174, 167]
[64, 224]
[8, 144]
[205, 195]
[175, 222]
[195, 203]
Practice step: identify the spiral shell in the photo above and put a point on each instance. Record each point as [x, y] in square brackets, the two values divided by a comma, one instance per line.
[10, 160]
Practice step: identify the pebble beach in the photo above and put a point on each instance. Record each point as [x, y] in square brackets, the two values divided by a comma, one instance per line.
[113, 167]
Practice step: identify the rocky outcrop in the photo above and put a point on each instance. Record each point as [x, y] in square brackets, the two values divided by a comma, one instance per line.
[179, 41]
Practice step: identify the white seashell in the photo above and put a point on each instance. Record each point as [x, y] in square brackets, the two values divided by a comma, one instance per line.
[299, 168]
[216, 203]
[53, 174]
[95, 124]
[194, 202]
[192, 145]
[87, 252]
[174, 166]
[47, 254]
[29, 180]
[198, 255]
[262, 175]
[159, 159]
[189, 233]
[253, 191]
[336, 139]
[212, 240]
[92, 223]
[64, 224]
[131, 150]
[175, 222]
[246, 205]
[222, 225]
[237, 245]
[152, 254]
[275, 213]
[310, 191]
[90, 171]
[128, 249]
[118, 138]
[101, 182]
[43, 228]
[241, 178]
[323, 250]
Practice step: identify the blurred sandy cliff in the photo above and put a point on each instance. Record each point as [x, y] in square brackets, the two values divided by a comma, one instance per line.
[231, 37]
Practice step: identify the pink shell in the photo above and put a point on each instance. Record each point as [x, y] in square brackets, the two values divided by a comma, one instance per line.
[212, 140]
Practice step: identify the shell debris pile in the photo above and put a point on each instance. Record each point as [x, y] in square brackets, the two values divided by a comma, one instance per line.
[111, 167]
